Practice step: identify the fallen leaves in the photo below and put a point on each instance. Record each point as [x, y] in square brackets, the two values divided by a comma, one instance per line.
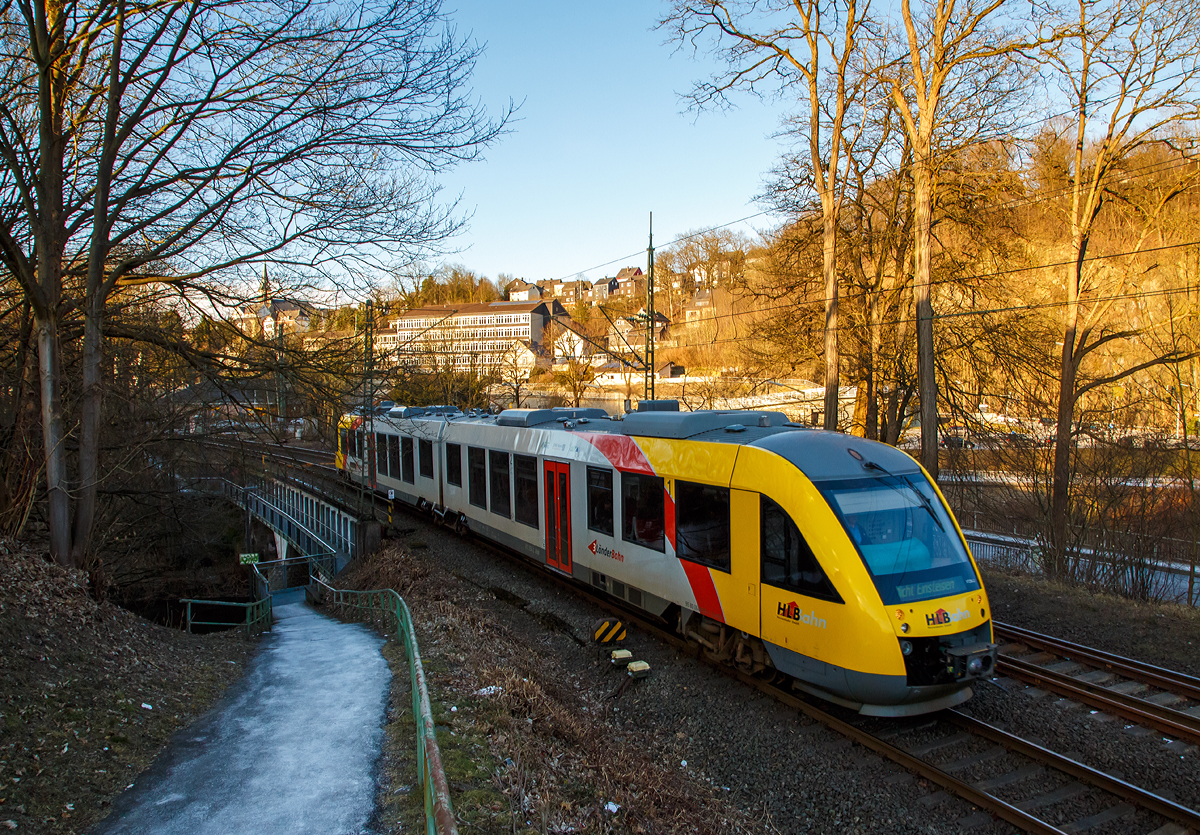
[73, 673]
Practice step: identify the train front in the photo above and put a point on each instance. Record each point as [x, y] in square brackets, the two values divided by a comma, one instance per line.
[925, 604]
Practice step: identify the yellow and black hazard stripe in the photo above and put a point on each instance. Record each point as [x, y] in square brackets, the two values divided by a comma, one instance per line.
[608, 630]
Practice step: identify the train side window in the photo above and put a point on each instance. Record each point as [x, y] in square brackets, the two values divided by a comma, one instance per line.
[425, 448]
[477, 472]
[525, 473]
[600, 500]
[381, 454]
[344, 441]
[394, 455]
[702, 524]
[643, 510]
[787, 560]
[406, 460]
[498, 471]
[454, 464]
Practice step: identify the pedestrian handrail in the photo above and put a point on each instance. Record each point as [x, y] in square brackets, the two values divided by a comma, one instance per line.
[439, 817]
[258, 613]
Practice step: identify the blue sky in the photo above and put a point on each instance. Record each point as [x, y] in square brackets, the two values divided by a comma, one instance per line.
[601, 140]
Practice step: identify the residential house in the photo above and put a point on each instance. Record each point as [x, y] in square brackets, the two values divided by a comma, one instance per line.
[523, 291]
[602, 289]
[700, 308]
[630, 283]
[630, 331]
[571, 343]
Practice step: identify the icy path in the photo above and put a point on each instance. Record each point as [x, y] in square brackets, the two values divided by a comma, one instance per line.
[291, 748]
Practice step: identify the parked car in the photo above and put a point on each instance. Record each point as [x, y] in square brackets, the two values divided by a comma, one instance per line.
[957, 442]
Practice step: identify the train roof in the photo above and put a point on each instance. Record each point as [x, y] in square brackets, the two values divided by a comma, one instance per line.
[817, 453]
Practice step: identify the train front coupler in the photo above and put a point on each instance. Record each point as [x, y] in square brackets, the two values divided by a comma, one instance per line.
[972, 661]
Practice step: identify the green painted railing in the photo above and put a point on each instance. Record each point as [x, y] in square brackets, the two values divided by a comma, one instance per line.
[439, 817]
[258, 614]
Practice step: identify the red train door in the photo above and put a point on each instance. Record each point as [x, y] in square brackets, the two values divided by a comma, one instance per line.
[558, 514]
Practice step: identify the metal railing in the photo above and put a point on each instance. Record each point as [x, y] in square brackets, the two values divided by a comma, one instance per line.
[1161, 575]
[439, 817]
[258, 614]
[1006, 553]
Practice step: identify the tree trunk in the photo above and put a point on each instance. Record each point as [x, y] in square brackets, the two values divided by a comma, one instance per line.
[89, 432]
[875, 339]
[53, 439]
[831, 317]
[1060, 485]
[922, 255]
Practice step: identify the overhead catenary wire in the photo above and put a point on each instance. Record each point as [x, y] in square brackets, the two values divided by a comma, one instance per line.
[1096, 105]
[797, 305]
[1140, 294]
[1016, 202]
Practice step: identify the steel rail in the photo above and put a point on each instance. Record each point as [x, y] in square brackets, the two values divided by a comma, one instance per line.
[1001, 809]
[1019, 818]
[988, 802]
[1159, 677]
[1171, 722]
[1142, 797]
[1007, 812]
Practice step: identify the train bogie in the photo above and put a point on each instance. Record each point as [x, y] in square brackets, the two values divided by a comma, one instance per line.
[828, 558]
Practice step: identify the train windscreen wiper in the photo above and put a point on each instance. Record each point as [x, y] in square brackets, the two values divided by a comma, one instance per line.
[921, 497]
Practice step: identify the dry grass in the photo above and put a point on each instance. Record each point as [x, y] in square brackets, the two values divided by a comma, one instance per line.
[528, 746]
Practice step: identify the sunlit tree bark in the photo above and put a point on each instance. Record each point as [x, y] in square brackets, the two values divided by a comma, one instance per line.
[955, 79]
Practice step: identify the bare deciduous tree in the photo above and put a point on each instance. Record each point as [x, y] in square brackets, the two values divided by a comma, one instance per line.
[1129, 70]
[180, 139]
[956, 77]
[764, 45]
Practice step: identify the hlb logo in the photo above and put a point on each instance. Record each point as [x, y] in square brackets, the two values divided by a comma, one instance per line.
[793, 612]
[941, 617]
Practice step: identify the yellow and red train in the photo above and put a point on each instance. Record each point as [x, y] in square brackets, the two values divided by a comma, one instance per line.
[826, 557]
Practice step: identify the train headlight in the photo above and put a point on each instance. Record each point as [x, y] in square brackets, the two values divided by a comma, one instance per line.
[906, 647]
[904, 628]
[975, 666]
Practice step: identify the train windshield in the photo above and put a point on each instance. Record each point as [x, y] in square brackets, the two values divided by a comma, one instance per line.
[905, 537]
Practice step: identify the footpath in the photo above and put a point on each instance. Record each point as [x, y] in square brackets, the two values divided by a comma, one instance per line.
[290, 748]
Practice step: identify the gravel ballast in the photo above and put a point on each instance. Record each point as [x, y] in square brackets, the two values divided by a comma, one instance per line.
[747, 762]
[538, 732]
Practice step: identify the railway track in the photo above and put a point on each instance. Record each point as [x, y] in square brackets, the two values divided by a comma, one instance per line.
[1141, 693]
[321, 458]
[1016, 780]
[945, 746]
[1047, 793]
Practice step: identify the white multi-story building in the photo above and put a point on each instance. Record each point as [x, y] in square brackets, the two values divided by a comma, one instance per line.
[463, 337]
